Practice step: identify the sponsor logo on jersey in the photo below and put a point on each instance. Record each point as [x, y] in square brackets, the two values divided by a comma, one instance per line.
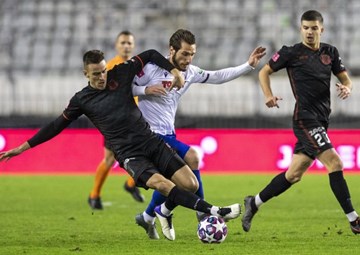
[275, 57]
[325, 59]
[166, 84]
[316, 130]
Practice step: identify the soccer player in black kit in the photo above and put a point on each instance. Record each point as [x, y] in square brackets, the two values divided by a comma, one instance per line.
[309, 65]
[108, 102]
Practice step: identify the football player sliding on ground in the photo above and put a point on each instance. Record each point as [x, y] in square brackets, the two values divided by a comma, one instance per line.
[108, 102]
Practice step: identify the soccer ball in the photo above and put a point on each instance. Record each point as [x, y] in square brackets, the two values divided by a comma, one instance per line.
[212, 229]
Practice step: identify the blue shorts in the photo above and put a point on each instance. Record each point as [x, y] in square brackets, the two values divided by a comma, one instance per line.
[180, 147]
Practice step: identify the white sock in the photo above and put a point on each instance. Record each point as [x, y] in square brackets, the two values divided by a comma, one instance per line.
[148, 218]
[164, 210]
[258, 201]
[352, 216]
[214, 210]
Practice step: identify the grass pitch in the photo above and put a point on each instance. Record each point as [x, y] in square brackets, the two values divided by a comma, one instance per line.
[50, 215]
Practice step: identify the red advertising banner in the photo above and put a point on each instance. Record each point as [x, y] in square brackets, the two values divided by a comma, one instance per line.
[220, 150]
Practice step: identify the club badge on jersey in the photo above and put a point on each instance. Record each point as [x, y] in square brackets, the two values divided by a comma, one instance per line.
[325, 59]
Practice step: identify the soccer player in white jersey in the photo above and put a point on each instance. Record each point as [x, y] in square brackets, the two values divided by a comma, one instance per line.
[158, 105]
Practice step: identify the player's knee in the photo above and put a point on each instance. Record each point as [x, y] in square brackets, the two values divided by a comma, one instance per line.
[295, 173]
[164, 187]
[333, 163]
[109, 160]
[192, 185]
[192, 159]
[294, 177]
[336, 165]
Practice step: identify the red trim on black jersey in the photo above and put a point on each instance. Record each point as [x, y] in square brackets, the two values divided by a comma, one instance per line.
[142, 63]
[65, 116]
[293, 87]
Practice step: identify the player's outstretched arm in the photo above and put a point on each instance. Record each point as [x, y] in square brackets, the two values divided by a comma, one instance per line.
[46, 133]
[256, 56]
[230, 73]
[6, 155]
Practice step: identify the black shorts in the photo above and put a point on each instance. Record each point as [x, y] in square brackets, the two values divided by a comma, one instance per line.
[154, 157]
[312, 137]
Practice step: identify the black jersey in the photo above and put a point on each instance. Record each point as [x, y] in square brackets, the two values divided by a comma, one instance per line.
[112, 110]
[309, 73]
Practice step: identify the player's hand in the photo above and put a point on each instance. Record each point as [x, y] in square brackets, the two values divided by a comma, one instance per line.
[256, 55]
[156, 90]
[343, 91]
[6, 155]
[178, 81]
[272, 101]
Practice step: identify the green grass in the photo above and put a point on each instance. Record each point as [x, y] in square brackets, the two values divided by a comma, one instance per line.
[49, 215]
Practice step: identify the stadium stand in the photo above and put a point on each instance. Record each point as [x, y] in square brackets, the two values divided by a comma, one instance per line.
[42, 41]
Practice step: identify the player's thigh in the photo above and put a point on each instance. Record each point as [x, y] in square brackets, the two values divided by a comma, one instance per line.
[185, 179]
[192, 159]
[331, 160]
[158, 182]
[109, 157]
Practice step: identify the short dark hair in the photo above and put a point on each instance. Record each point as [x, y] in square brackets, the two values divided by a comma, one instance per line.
[125, 32]
[312, 15]
[181, 35]
[93, 57]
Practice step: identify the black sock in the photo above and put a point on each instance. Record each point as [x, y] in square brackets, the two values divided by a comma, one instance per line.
[187, 199]
[341, 191]
[170, 204]
[278, 185]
